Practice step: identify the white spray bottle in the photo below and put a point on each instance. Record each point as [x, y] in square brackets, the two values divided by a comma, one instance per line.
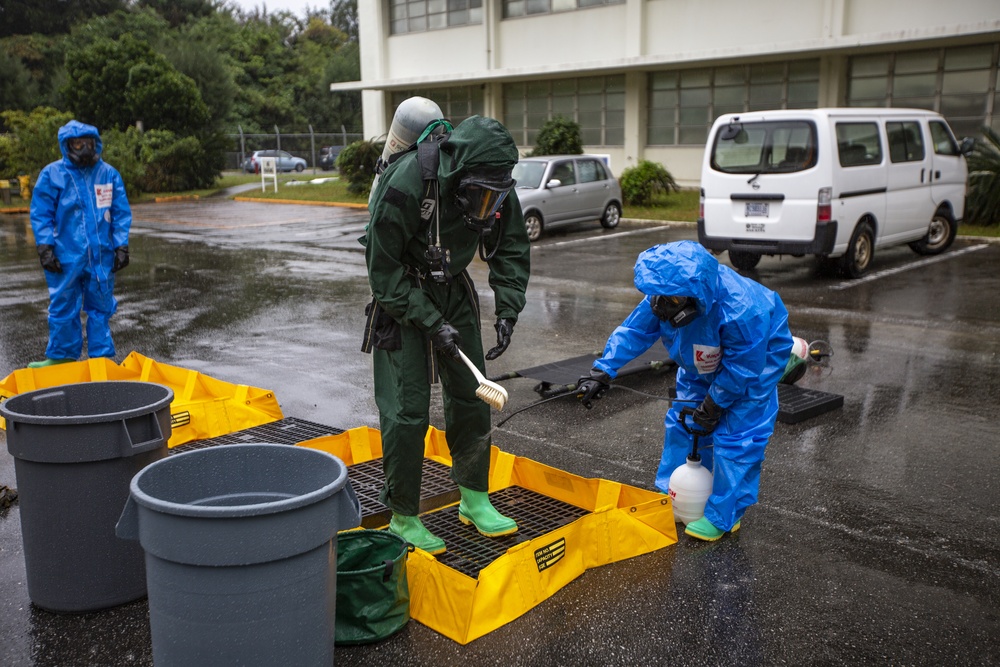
[690, 485]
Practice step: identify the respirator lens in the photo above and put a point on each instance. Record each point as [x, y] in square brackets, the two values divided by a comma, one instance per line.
[482, 194]
[483, 203]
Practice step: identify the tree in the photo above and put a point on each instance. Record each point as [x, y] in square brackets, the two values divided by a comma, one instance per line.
[115, 84]
[344, 15]
[17, 89]
[178, 12]
[163, 98]
[50, 17]
[558, 136]
[36, 133]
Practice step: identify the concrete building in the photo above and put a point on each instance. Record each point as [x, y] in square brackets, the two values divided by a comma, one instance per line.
[646, 78]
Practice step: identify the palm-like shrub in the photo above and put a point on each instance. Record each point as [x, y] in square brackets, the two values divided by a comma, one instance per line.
[982, 206]
[641, 182]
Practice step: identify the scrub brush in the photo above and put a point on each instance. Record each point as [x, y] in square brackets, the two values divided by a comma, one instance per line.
[489, 392]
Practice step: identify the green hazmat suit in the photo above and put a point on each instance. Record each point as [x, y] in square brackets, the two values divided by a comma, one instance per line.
[413, 306]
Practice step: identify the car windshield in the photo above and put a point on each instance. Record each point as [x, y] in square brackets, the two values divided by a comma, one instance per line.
[765, 147]
[528, 174]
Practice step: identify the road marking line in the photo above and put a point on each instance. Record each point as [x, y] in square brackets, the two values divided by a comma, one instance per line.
[598, 238]
[908, 267]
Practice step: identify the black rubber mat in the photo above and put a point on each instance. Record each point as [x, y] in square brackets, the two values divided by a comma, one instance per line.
[559, 375]
[436, 490]
[287, 431]
[796, 404]
[469, 552]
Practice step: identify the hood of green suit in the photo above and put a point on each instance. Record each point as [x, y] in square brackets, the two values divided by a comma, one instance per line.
[476, 141]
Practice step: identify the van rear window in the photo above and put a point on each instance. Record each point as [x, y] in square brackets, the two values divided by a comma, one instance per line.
[768, 147]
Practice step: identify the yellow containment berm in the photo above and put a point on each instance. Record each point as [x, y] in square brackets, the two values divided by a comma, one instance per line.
[203, 407]
[618, 522]
[609, 521]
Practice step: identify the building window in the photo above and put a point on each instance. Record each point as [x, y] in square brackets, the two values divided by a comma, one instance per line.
[682, 104]
[456, 103]
[512, 8]
[597, 103]
[423, 15]
[960, 83]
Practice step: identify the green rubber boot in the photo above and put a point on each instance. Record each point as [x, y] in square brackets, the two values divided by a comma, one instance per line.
[49, 362]
[412, 529]
[477, 510]
[703, 529]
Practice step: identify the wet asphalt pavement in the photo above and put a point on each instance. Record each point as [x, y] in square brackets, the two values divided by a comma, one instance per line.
[877, 536]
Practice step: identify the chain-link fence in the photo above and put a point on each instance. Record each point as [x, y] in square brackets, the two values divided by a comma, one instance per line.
[306, 146]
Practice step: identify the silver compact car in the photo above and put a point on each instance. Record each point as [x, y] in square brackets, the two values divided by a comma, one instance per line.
[565, 189]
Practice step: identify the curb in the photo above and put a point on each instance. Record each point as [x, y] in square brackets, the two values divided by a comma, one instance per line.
[303, 203]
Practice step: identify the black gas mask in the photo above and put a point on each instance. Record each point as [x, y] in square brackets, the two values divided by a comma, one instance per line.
[677, 311]
[82, 151]
[480, 195]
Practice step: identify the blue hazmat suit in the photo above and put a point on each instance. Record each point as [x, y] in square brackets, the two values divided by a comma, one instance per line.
[735, 350]
[83, 212]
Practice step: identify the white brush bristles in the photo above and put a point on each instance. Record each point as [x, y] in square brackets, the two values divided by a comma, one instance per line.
[492, 394]
[489, 392]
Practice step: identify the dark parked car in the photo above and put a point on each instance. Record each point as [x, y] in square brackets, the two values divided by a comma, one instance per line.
[564, 189]
[328, 157]
[286, 161]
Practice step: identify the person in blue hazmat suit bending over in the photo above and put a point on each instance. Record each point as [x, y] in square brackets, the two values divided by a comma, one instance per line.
[81, 219]
[729, 337]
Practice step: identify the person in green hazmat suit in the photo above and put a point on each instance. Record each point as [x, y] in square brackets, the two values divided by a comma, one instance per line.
[434, 208]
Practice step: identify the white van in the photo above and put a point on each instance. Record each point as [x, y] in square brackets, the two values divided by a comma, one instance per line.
[835, 183]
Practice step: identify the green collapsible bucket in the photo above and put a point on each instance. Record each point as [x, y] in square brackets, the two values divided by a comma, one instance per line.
[373, 598]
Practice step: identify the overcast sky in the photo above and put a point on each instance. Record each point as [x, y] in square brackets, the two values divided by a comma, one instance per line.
[297, 7]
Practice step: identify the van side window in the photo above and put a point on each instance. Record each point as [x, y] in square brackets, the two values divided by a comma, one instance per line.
[858, 144]
[944, 142]
[906, 143]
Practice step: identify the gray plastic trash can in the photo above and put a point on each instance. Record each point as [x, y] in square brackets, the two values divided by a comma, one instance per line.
[76, 447]
[240, 553]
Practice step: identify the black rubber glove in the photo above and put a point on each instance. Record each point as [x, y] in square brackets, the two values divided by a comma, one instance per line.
[121, 259]
[446, 339]
[707, 415]
[504, 329]
[47, 255]
[592, 387]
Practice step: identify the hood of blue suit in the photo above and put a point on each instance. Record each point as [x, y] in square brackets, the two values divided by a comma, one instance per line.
[683, 268]
[74, 129]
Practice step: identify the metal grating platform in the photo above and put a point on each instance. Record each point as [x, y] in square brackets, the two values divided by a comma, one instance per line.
[469, 552]
[796, 404]
[288, 431]
[437, 489]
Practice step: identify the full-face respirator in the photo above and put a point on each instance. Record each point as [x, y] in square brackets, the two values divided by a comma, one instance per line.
[677, 311]
[82, 151]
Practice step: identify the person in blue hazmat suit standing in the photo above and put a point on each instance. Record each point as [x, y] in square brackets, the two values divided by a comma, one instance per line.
[81, 220]
[730, 339]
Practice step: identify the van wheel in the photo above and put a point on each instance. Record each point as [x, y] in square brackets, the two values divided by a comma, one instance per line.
[743, 260]
[612, 216]
[533, 223]
[940, 234]
[860, 251]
